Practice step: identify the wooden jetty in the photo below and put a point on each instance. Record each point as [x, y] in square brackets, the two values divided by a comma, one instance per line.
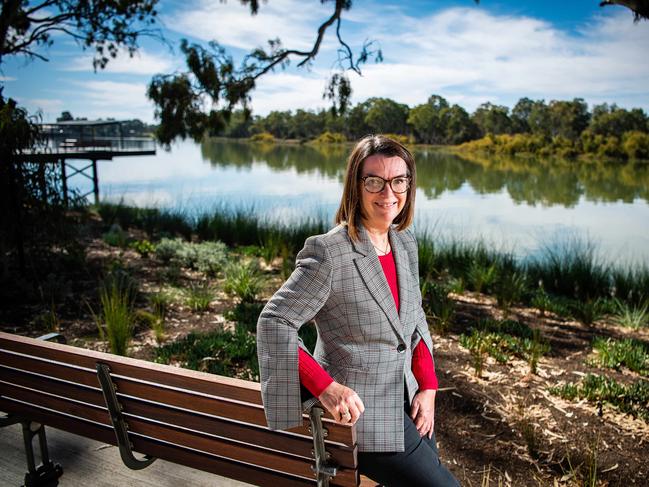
[79, 140]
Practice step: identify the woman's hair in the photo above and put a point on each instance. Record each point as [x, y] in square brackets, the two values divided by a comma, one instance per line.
[350, 210]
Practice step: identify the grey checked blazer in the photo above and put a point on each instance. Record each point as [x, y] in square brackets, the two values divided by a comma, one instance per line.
[362, 342]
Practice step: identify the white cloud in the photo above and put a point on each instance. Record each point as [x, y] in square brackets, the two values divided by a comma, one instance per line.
[142, 63]
[48, 108]
[7, 78]
[286, 91]
[472, 56]
[95, 99]
[232, 25]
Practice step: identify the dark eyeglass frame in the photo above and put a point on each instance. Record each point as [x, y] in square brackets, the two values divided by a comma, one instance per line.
[387, 181]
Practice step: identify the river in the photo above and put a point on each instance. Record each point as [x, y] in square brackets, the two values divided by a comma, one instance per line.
[514, 205]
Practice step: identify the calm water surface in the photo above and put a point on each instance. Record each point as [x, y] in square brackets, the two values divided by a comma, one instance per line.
[520, 206]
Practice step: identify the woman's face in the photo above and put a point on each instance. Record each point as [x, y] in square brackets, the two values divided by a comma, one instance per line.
[380, 209]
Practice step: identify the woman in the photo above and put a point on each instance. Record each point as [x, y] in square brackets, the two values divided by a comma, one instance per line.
[372, 364]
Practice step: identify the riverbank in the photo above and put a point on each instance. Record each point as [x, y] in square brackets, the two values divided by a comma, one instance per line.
[502, 361]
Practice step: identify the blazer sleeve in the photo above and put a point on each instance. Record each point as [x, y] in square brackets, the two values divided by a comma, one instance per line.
[294, 304]
[421, 332]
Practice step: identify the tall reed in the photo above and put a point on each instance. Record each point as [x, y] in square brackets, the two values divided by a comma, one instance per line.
[115, 318]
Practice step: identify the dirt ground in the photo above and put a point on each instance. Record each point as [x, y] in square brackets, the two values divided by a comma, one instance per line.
[503, 428]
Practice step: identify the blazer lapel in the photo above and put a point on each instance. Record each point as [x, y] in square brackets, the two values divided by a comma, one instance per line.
[403, 272]
[372, 274]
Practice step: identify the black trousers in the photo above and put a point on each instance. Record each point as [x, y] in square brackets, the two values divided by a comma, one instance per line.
[417, 466]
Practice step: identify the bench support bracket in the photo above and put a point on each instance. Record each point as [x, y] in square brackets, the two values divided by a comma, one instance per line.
[47, 473]
[119, 423]
[322, 468]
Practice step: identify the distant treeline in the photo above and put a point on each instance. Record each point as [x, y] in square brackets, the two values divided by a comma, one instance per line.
[563, 128]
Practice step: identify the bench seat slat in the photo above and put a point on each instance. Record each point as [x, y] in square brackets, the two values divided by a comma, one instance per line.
[262, 437]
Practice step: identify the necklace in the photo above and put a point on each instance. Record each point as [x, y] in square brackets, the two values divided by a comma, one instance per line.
[383, 251]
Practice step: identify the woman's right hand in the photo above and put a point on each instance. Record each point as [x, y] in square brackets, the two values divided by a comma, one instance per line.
[342, 402]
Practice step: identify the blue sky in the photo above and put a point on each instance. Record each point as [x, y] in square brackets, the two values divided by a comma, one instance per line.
[498, 51]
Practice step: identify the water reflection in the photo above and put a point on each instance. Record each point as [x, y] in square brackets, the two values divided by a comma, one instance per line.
[530, 181]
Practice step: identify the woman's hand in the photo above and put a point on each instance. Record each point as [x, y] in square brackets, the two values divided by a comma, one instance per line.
[342, 402]
[422, 412]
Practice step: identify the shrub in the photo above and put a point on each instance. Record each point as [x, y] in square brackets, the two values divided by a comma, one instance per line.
[476, 343]
[631, 316]
[632, 399]
[588, 311]
[330, 138]
[160, 303]
[481, 276]
[243, 280]
[209, 257]
[263, 137]
[116, 237]
[636, 145]
[199, 297]
[629, 353]
[143, 247]
[168, 248]
[610, 147]
[437, 305]
[510, 288]
[206, 257]
[115, 318]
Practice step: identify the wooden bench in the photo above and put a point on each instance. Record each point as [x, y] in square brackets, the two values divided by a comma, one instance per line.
[208, 422]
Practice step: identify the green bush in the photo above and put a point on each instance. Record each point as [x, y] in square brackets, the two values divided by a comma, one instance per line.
[263, 137]
[244, 280]
[206, 257]
[631, 316]
[636, 145]
[116, 237]
[143, 247]
[168, 248]
[629, 353]
[510, 288]
[199, 297]
[209, 257]
[330, 138]
[115, 319]
[632, 399]
[437, 305]
[502, 340]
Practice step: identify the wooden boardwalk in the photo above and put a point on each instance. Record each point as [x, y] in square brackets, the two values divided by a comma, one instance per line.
[87, 462]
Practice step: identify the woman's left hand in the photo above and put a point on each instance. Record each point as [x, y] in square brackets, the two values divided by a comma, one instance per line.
[422, 412]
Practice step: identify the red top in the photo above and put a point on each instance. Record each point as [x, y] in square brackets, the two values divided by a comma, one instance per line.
[316, 379]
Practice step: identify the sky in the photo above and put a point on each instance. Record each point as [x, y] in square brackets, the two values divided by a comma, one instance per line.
[497, 51]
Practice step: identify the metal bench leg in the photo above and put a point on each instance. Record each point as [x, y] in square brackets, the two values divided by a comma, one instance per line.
[323, 469]
[47, 473]
[119, 423]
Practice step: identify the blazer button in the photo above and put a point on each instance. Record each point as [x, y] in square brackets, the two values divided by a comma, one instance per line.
[401, 348]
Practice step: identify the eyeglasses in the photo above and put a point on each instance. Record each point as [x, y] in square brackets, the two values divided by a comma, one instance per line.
[375, 184]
